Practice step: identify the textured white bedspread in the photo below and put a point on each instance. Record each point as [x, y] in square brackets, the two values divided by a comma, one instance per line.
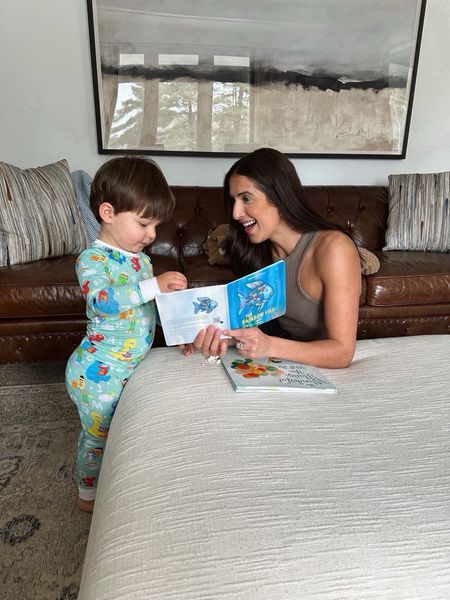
[207, 494]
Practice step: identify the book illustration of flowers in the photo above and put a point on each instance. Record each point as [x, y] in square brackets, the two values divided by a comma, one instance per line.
[250, 369]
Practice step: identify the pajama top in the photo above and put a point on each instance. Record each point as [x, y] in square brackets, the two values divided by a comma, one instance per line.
[121, 322]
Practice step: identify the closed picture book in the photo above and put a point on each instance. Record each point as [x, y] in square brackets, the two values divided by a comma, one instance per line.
[273, 375]
[245, 302]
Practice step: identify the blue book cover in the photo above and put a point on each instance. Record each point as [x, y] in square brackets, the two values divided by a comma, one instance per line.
[245, 302]
[258, 297]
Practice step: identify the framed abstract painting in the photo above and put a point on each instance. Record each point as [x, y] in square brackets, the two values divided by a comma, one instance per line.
[312, 79]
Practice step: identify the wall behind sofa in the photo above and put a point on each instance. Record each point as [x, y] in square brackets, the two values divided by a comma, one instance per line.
[47, 107]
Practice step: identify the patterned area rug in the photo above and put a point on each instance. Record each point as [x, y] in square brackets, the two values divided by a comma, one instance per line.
[43, 535]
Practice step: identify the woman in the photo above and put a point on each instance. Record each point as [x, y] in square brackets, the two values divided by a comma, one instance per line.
[270, 220]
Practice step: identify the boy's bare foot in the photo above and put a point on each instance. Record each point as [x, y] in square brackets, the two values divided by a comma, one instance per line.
[86, 505]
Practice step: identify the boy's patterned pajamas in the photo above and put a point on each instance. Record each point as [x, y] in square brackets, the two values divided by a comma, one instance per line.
[121, 324]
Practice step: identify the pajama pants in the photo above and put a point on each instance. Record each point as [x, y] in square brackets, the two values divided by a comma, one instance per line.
[95, 388]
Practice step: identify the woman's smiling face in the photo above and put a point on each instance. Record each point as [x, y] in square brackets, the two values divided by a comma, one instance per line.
[257, 215]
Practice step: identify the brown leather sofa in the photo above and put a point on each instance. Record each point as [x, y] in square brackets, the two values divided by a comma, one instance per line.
[42, 314]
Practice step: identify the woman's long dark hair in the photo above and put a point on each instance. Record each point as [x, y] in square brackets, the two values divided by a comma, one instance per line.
[275, 175]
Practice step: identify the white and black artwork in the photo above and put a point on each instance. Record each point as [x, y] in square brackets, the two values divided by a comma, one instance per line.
[223, 78]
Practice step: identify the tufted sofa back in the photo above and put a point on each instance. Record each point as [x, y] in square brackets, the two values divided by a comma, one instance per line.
[361, 210]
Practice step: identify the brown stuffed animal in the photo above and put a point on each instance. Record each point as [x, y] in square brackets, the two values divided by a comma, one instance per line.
[213, 246]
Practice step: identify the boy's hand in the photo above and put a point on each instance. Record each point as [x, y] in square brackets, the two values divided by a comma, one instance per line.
[171, 281]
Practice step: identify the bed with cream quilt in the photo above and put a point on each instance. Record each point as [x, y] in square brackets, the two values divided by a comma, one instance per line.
[209, 494]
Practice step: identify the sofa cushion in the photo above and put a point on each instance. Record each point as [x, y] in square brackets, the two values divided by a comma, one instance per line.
[419, 212]
[39, 215]
[409, 278]
[45, 288]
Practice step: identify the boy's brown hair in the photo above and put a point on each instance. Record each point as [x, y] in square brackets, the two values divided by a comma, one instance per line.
[132, 184]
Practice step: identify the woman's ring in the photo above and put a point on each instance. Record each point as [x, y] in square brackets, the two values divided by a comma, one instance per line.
[240, 345]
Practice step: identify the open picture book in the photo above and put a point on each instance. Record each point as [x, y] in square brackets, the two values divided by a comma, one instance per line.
[245, 302]
[273, 374]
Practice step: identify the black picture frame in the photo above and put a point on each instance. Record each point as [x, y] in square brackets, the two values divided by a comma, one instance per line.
[314, 80]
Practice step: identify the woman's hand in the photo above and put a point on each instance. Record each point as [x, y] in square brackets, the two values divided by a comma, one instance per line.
[171, 281]
[208, 342]
[251, 342]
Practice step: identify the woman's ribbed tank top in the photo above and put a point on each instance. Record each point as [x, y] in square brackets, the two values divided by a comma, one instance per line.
[303, 319]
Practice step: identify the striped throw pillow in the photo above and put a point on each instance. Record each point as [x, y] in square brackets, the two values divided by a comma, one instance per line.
[419, 212]
[39, 215]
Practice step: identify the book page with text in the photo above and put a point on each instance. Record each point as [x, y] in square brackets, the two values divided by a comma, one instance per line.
[183, 314]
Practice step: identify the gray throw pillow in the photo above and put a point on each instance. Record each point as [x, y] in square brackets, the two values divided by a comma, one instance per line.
[419, 212]
[39, 215]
